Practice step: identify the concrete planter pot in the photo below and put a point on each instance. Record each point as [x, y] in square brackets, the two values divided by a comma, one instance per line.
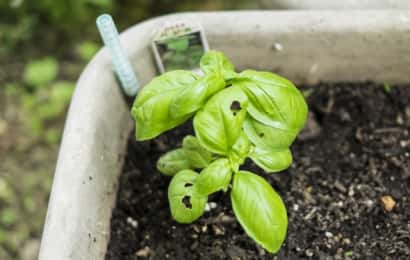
[335, 5]
[306, 46]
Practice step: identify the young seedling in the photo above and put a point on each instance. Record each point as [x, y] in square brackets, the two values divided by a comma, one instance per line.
[235, 115]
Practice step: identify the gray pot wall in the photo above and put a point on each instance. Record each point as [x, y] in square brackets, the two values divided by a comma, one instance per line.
[335, 5]
[306, 46]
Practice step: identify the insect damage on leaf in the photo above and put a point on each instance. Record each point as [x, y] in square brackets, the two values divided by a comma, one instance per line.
[250, 114]
[235, 107]
[187, 201]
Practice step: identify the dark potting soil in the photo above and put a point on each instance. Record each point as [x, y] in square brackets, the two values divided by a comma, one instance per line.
[351, 163]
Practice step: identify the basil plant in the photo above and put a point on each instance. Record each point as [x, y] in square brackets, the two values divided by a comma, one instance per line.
[250, 114]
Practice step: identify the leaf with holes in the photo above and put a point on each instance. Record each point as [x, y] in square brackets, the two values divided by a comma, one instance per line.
[185, 203]
[219, 123]
[271, 160]
[216, 62]
[273, 100]
[215, 177]
[199, 157]
[267, 137]
[259, 210]
[151, 107]
[192, 98]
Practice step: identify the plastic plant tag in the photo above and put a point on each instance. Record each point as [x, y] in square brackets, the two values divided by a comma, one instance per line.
[179, 45]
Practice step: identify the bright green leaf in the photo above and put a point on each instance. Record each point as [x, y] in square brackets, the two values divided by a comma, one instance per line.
[192, 98]
[185, 203]
[190, 156]
[215, 62]
[40, 72]
[267, 137]
[173, 162]
[239, 150]
[215, 177]
[219, 123]
[274, 100]
[151, 107]
[259, 210]
[271, 160]
[198, 156]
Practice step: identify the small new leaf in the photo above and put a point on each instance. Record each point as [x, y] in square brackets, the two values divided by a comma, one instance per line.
[216, 62]
[219, 123]
[239, 151]
[259, 210]
[271, 160]
[185, 203]
[200, 157]
[151, 107]
[215, 177]
[190, 156]
[174, 161]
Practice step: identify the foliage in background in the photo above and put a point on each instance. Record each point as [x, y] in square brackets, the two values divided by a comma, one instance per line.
[54, 39]
[42, 97]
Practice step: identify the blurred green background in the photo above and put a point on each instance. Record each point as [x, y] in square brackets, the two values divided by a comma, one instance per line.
[44, 45]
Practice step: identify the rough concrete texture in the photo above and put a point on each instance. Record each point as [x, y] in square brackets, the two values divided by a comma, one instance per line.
[335, 5]
[305, 46]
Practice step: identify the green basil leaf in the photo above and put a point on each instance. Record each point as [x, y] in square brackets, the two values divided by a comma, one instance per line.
[259, 210]
[215, 177]
[268, 137]
[199, 156]
[239, 151]
[192, 98]
[173, 162]
[219, 123]
[217, 62]
[274, 100]
[151, 107]
[185, 203]
[272, 160]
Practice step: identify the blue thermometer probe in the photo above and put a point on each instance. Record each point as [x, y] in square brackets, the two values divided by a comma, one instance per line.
[122, 65]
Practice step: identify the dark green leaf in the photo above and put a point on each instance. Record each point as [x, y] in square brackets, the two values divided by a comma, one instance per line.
[219, 123]
[259, 210]
[41, 72]
[151, 107]
[215, 177]
[271, 160]
[185, 203]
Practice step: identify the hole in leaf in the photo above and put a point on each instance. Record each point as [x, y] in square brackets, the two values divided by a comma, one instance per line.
[187, 202]
[261, 135]
[188, 184]
[235, 107]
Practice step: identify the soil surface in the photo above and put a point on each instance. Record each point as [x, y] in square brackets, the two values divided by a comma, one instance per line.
[347, 192]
